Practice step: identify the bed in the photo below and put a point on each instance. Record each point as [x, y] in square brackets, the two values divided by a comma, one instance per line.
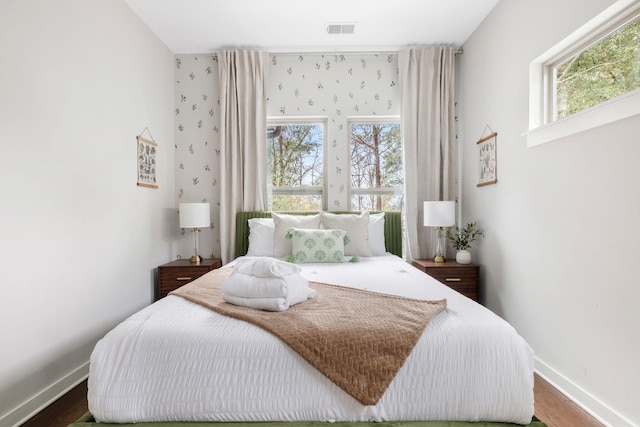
[177, 361]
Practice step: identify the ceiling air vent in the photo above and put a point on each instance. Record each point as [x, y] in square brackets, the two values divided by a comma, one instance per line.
[345, 28]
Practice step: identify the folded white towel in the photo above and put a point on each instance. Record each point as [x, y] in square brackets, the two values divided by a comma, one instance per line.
[266, 284]
[266, 267]
[267, 304]
[292, 286]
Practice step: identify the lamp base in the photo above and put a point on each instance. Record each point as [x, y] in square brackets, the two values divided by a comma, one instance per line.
[195, 259]
[440, 246]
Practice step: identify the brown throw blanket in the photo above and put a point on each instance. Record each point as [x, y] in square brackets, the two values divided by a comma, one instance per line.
[357, 339]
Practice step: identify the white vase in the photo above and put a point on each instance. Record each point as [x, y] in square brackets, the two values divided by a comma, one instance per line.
[463, 257]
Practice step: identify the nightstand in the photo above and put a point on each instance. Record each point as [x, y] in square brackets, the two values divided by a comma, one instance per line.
[459, 277]
[177, 273]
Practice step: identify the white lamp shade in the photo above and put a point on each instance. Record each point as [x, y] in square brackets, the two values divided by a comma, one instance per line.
[194, 215]
[439, 214]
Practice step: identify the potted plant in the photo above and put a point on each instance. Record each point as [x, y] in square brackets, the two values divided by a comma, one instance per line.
[461, 238]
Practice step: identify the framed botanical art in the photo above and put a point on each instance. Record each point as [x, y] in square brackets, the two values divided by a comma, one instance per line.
[147, 149]
[487, 163]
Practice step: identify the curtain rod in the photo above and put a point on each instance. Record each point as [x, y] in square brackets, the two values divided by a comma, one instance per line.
[385, 52]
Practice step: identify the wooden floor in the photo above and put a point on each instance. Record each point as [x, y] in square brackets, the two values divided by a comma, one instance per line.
[551, 406]
[556, 410]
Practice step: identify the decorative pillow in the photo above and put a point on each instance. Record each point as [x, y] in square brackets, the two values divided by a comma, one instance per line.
[261, 231]
[283, 222]
[317, 245]
[376, 234]
[356, 225]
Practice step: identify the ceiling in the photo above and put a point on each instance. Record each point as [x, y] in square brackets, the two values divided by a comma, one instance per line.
[204, 26]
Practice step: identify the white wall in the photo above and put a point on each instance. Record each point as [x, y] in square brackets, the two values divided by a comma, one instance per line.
[559, 260]
[79, 241]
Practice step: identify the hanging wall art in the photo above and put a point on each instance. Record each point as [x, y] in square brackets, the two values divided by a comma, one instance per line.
[147, 149]
[487, 163]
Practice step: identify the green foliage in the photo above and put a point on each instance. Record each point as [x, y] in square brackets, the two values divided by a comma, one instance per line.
[295, 202]
[377, 202]
[609, 68]
[294, 156]
[461, 237]
[294, 159]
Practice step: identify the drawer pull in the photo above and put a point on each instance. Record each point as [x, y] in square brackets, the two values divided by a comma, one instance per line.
[183, 278]
[452, 279]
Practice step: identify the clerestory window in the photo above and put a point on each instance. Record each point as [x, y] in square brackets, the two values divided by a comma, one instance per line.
[606, 69]
[589, 79]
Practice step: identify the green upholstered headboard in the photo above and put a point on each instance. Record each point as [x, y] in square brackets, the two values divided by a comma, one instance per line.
[392, 229]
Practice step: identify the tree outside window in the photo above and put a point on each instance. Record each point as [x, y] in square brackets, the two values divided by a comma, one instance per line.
[603, 71]
[377, 174]
[295, 163]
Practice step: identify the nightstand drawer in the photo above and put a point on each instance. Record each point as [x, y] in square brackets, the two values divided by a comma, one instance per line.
[462, 278]
[180, 272]
[176, 277]
[454, 276]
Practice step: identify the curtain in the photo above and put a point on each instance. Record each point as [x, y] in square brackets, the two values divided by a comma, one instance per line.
[243, 151]
[427, 77]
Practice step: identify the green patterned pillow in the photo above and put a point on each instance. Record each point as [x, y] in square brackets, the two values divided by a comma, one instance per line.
[317, 245]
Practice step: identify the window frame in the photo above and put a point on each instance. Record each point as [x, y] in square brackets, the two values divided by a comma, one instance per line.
[370, 120]
[543, 127]
[306, 189]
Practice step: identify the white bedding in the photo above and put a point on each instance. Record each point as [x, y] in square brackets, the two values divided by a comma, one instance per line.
[178, 361]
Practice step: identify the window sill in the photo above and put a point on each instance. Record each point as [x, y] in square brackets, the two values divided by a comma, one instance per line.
[619, 108]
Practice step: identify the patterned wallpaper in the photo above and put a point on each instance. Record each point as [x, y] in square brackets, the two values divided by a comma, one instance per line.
[197, 146]
[337, 87]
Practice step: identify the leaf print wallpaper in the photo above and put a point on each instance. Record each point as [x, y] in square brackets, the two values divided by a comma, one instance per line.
[335, 86]
[197, 145]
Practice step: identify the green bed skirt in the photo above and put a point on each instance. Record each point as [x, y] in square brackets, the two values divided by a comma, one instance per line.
[87, 421]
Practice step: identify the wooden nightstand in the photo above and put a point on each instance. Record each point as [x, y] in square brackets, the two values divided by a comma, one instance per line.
[460, 277]
[174, 274]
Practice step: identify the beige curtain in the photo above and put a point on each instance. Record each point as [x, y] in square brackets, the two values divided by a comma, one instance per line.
[243, 128]
[427, 77]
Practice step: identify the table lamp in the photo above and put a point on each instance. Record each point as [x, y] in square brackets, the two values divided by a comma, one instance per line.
[194, 216]
[439, 215]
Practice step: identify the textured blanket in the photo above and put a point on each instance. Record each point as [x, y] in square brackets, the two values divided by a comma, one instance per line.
[357, 339]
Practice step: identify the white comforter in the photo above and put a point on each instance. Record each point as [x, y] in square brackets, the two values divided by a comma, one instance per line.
[178, 361]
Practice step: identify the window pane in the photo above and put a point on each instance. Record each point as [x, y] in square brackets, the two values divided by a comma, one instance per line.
[294, 155]
[295, 202]
[378, 202]
[294, 160]
[376, 163]
[607, 69]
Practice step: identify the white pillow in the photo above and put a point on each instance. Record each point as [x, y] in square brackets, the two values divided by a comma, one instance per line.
[357, 228]
[283, 222]
[317, 245]
[261, 237]
[376, 234]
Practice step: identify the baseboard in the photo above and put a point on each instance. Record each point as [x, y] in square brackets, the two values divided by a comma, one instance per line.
[46, 397]
[595, 407]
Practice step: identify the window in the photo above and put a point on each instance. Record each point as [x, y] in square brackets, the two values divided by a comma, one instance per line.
[589, 79]
[377, 174]
[295, 164]
[608, 68]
